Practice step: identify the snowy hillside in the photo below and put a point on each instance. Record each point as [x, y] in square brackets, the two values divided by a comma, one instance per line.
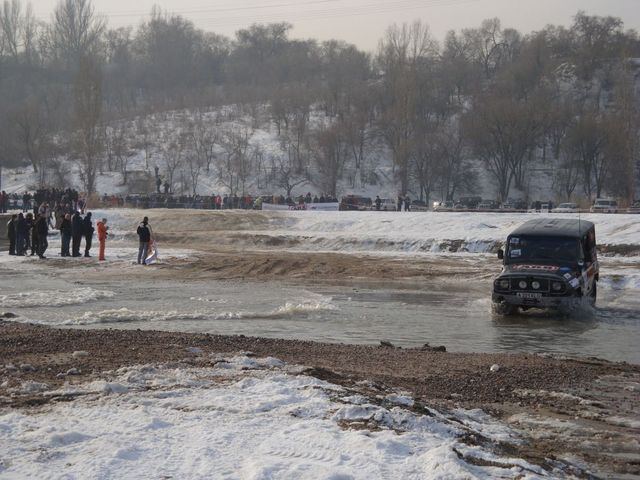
[155, 140]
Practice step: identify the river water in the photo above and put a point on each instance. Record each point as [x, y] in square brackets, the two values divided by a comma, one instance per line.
[454, 314]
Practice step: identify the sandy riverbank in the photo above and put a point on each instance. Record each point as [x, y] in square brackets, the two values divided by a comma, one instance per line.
[557, 403]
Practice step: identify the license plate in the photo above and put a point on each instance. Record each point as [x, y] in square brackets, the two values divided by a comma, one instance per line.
[529, 295]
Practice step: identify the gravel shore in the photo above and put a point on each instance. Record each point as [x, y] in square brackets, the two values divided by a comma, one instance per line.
[537, 395]
[429, 374]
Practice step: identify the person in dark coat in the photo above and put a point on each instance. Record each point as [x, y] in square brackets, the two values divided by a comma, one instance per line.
[76, 234]
[21, 234]
[65, 234]
[42, 226]
[12, 226]
[144, 233]
[34, 234]
[378, 202]
[87, 232]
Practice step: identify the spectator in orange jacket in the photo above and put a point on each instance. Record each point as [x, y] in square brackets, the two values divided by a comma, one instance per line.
[102, 236]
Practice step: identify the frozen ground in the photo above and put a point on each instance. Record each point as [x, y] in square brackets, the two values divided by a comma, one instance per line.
[245, 418]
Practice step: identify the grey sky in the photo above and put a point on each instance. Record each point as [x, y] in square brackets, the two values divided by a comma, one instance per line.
[361, 22]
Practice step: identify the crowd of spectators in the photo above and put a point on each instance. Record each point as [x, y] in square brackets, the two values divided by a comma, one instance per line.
[70, 201]
[209, 202]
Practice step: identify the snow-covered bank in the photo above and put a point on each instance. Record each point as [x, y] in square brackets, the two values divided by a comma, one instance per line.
[414, 232]
[245, 418]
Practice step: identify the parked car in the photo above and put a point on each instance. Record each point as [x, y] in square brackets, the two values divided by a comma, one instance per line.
[566, 208]
[440, 206]
[355, 202]
[634, 208]
[547, 263]
[470, 203]
[419, 206]
[516, 204]
[386, 205]
[604, 205]
[487, 205]
[539, 206]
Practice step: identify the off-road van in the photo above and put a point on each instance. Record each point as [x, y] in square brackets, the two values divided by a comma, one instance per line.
[548, 263]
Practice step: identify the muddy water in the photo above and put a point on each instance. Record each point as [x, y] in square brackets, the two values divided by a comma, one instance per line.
[453, 314]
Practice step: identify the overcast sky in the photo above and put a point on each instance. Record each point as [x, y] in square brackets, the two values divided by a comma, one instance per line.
[361, 22]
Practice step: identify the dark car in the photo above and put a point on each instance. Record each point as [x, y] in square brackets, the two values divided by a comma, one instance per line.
[355, 202]
[419, 206]
[634, 208]
[470, 203]
[548, 263]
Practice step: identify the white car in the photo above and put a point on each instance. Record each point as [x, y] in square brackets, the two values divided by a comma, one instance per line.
[566, 208]
[386, 205]
[604, 205]
[634, 208]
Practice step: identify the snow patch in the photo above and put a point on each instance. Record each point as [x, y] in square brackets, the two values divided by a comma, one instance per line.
[264, 423]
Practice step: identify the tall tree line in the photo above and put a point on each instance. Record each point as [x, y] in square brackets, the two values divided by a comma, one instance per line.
[565, 99]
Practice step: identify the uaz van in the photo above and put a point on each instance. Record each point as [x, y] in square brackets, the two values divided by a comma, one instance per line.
[548, 263]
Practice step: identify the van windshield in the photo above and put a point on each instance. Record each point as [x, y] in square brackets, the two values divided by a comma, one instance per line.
[526, 249]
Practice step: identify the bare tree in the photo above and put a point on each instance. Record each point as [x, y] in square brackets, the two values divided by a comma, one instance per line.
[75, 31]
[284, 169]
[588, 139]
[204, 139]
[402, 55]
[234, 165]
[11, 26]
[173, 159]
[88, 113]
[330, 157]
[32, 131]
[502, 132]
[194, 167]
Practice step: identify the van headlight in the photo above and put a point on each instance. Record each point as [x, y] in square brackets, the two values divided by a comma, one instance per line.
[522, 284]
[504, 284]
[535, 285]
[556, 286]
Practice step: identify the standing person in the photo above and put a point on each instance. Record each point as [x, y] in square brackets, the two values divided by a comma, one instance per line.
[12, 226]
[26, 200]
[34, 234]
[399, 207]
[102, 237]
[87, 232]
[42, 226]
[76, 234]
[29, 243]
[65, 234]
[144, 233]
[378, 202]
[21, 233]
[407, 203]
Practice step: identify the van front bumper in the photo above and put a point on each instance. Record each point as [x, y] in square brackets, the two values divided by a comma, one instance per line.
[534, 302]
